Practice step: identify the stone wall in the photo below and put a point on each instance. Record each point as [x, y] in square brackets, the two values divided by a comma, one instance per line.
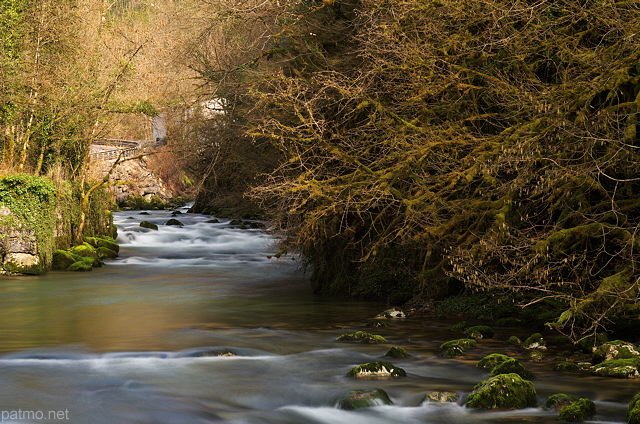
[18, 247]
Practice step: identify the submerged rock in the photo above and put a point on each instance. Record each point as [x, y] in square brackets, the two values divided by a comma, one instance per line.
[580, 410]
[535, 356]
[174, 222]
[456, 347]
[535, 341]
[441, 397]
[616, 349]
[460, 327]
[618, 368]
[356, 399]
[566, 366]
[377, 323]
[513, 341]
[504, 391]
[376, 369]
[363, 337]
[393, 313]
[559, 401]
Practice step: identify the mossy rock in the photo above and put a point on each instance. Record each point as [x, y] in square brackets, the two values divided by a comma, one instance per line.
[618, 368]
[81, 266]
[504, 391]
[84, 250]
[441, 397]
[566, 366]
[174, 222]
[212, 221]
[558, 401]
[633, 411]
[357, 399]
[144, 213]
[490, 361]
[580, 410]
[457, 347]
[616, 349]
[460, 327]
[510, 366]
[149, 225]
[377, 323]
[376, 369]
[103, 241]
[393, 313]
[513, 341]
[535, 356]
[396, 352]
[62, 259]
[23, 263]
[106, 253]
[480, 332]
[236, 222]
[363, 337]
[534, 341]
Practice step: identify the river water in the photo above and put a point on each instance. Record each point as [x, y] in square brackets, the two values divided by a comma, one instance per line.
[124, 344]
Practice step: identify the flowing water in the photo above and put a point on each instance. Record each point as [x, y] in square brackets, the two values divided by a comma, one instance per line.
[132, 342]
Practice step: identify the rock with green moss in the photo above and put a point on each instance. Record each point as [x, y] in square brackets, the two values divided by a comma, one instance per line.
[618, 368]
[534, 341]
[480, 332]
[490, 361]
[362, 337]
[633, 411]
[174, 222]
[535, 356]
[377, 323]
[396, 352]
[106, 253]
[460, 327]
[149, 225]
[504, 391]
[580, 410]
[84, 250]
[23, 263]
[510, 366]
[513, 341]
[440, 397]
[376, 370]
[81, 266]
[62, 259]
[616, 349]
[566, 366]
[558, 401]
[457, 347]
[356, 399]
[103, 241]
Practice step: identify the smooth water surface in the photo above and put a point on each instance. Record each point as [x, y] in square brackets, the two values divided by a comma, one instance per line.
[137, 340]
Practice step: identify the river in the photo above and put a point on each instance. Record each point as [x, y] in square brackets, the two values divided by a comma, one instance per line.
[123, 344]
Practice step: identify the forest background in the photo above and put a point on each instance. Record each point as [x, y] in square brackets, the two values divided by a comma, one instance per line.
[411, 150]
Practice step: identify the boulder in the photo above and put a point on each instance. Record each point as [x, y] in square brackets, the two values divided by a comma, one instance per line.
[616, 349]
[356, 399]
[618, 368]
[490, 361]
[479, 332]
[396, 352]
[513, 341]
[23, 263]
[558, 401]
[376, 369]
[106, 253]
[633, 411]
[504, 391]
[393, 313]
[362, 337]
[535, 356]
[147, 224]
[460, 327]
[62, 259]
[456, 347]
[80, 266]
[174, 222]
[103, 241]
[566, 366]
[377, 323]
[580, 410]
[85, 250]
[509, 366]
[535, 341]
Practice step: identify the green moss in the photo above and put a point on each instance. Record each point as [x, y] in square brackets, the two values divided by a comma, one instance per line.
[535, 356]
[377, 323]
[491, 360]
[616, 349]
[174, 222]
[85, 250]
[509, 322]
[580, 410]
[460, 327]
[456, 347]
[80, 266]
[62, 259]
[106, 253]
[633, 411]
[558, 401]
[535, 341]
[513, 341]
[509, 366]
[480, 332]
[396, 352]
[590, 343]
[363, 337]
[566, 366]
[356, 399]
[103, 241]
[376, 369]
[618, 368]
[504, 391]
